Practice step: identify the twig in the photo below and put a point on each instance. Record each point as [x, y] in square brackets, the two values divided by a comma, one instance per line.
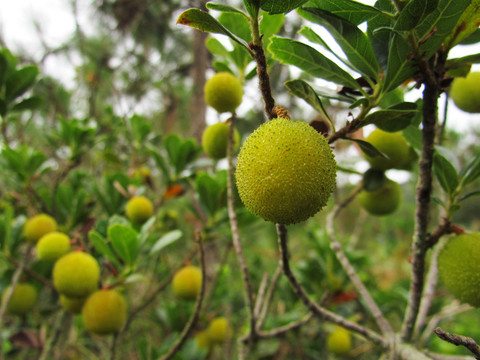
[260, 296]
[350, 270]
[283, 329]
[315, 308]
[198, 305]
[236, 234]
[113, 347]
[58, 327]
[459, 340]
[268, 297]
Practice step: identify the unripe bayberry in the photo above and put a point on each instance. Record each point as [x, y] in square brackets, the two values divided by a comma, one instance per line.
[104, 312]
[339, 341]
[72, 305]
[52, 246]
[187, 282]
[139, 209]
[382, 201]
[215, 139]
[23, 299]
[465, 92]
[223, 92]
[37, 226]
[219, 330]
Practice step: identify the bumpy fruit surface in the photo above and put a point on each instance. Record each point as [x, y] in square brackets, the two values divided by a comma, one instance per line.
[139, 209]
[339, 341]
[23, 299]
[459, 267]
[465, 92]
[104, 312]
[223, 92]
[187, 282]
[215, 138]
[37, 226]
[219, 330]
[72, 305]
[52, 246]
[400, 154]
[382, 201]
[76, 274]
[286, 171]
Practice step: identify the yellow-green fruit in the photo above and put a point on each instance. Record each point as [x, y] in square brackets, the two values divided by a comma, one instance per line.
[139, 209]
[219, 330]
[202, 340]
[286, 171]
[339, 341]
[38, 226]
[187, 282]
[104, 312]
[382, 201]
[76, 274]
[72, 305]
[459, 267]
[215, 138]
[223, 92]
[465, 92]
[23, 299]
[52, 246]
[394, 146]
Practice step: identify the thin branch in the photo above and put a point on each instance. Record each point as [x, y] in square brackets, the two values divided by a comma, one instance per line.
[260, 296]
[320, 311]
[236, 233]
[350, 270]
[113, 347]
[198, 305]
[459, 340]
[61, 325]
[268, 296]
[286, 328]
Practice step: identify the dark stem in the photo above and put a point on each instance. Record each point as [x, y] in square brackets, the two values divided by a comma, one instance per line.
[264, 80]
[459, 340]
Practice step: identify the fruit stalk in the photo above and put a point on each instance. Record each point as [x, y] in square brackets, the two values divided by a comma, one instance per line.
[459, 340]
[198, 305]
[235, 232]
[318, 310]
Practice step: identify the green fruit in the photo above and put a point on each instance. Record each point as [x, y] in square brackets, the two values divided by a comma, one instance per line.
[104, 312]
[38, 226]
[459, 267]
[223, 92]
[394, 146]
[52, 246]
[382, 201]
[339, 341]
[202, 340]
[215, 138]
[76, 274]
[139, 209]
[465, 92]
[219, 330]
[187, 282]
[23, 299]
[72, 305]
[286, 171]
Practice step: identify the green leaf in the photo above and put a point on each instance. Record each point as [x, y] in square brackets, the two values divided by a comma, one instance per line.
[379, 31]
[237, 24]
[400, 66]
[413, 13]
[368, 148]
[3, 68]
[472, 171]
[167, 239]
[224, 8]
[203, 21]
[473, 38]
[101, 246]
[304, 91]
[140, 127]
[30, 103]
[351, 39]
[269, 26]
[124, 241]
[413, 135]
[280, 6]
[216, 47]
[208, 192]
[172, 143]
[395, 118]
[253, 7]
[469, 195]
[19, 82]
[353, 11]
[310, 60]
[446, 173]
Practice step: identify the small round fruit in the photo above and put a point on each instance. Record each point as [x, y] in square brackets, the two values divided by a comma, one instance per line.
[139, 209]
[187, 282]
[399, 152]
[465, 92]
[52, 246]
[76, 274]
[37, 226]
[459, 267]
[72, 305]
[285, 172]
[23, 299]
[202, 340]
[339, 341]
[382, 201]
[223, 92]
[215, 139]
[219, 330]
[104, 312]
